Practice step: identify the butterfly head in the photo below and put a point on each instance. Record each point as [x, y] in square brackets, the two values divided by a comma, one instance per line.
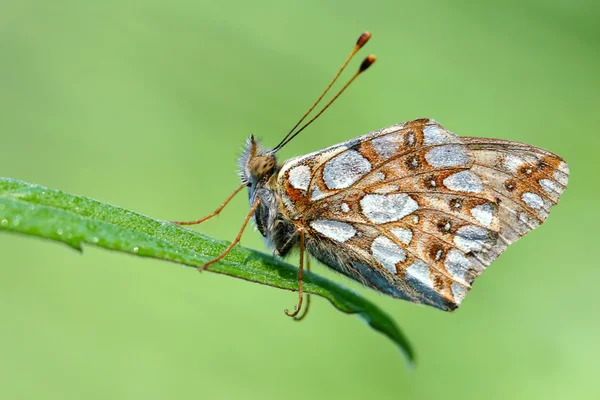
[256, 164]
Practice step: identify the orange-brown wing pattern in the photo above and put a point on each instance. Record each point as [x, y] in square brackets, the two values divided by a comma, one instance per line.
[417, 212]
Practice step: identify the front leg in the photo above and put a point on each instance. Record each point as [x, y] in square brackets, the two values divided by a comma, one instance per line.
[237, 238]
[212, 214]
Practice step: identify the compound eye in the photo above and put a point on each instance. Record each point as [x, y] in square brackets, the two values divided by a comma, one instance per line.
[261, 166]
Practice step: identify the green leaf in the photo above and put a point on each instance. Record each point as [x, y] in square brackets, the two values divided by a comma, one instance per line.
[35, 210]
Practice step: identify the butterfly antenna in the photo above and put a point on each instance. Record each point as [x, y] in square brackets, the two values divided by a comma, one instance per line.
[367, 62]
[362, 40]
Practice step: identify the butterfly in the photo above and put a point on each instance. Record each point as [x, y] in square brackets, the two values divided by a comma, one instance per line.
[412, 210]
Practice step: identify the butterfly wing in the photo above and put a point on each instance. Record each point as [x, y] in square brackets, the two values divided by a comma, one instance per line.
[417, 212]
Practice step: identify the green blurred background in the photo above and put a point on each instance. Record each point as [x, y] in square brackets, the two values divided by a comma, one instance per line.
[145, 105]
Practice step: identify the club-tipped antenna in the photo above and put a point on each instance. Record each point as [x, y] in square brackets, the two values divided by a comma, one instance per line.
[362, 40]
[367, 62]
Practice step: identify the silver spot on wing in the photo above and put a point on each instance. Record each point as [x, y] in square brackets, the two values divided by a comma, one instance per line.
[512, 163]
[336, 230]
[447, 156]
[532, 200]
[345, 169]
[386, 146]
[435, 134]
[403, 234]
[387, 208]
[464, 181]
[300, 177]
[419, 272]
[458, 292]
[387, 253]
[471, 238]
[551, 187]
[316, 194]
[483, 214]
[457, 265]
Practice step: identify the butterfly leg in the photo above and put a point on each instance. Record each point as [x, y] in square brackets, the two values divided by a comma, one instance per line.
[236, 241]
[212, 214]
[307, 306]
[300, 277]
